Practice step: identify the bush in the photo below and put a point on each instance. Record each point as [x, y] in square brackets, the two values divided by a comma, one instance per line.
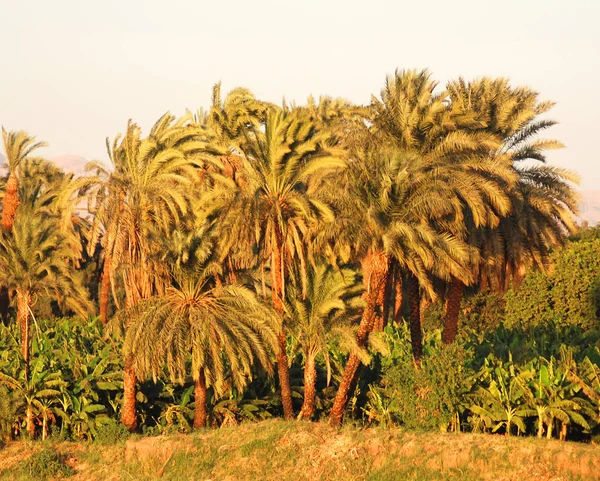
[570, 296]
[111, 433]
[46, 464]
[428, 398]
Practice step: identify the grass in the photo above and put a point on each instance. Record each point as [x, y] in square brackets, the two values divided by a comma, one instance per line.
[274, 450]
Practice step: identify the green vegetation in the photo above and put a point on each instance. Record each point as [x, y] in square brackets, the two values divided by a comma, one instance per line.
[413, 262]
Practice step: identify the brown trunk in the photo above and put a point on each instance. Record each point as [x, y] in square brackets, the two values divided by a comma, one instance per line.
[23, 321]
[4, 305]
[416, 337]
[105, 290]
[200, 401]
[550, 426]
[310, 381]
[284, 377]
[375, 269]
[386, 299]
[129, 412]
[282, 361]
[10, 202]
[397, 296]
[341, 398]
[455, 294]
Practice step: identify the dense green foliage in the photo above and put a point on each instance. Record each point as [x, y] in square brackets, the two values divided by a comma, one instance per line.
[570, 295]
[364, 250]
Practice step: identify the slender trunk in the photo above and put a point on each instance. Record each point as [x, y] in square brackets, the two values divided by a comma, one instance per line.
[10, 202]
[540, 431]
[44, 428]
[398, 296]
[375, 268]
[200, 401]
[129, 412]
[453, 300]
[30, 423]
[310, 381]
[282, 361]
[416, 337]
[105, 290]
[386, 299]
[4, 305]
[563, 431]
[425, 303]
[24, 322]
[550, 425]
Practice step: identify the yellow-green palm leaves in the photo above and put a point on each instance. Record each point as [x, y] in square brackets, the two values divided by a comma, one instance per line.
[224, 330]
[18, 146]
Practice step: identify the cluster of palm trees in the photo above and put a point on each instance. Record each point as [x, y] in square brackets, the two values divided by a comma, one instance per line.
[232, 236]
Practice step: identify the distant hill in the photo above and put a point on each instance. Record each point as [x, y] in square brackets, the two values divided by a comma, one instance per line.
[71, 163]
[590, 206]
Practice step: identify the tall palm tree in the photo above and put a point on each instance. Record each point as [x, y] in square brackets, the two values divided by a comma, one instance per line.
[37, 261]
[270, 205]
[144, 197]
[218, 327]
[418, 122]
[542, 200]
[18, 146]
[331, 303]
[387, 203]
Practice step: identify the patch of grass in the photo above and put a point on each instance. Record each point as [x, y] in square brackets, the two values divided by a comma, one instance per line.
[47, 463]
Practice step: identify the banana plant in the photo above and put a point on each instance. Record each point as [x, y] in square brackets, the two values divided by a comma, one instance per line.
[501, 397]
[86, 417]
[40, 385]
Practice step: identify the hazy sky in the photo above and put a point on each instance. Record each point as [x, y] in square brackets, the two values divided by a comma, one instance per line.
[72, 72]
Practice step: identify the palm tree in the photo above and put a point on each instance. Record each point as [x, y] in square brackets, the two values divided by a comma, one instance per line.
[272, 202]
[330, 305]
[420, 123]
[219, 327]
[18, 146]
[541, 199]
[144, 198]
[38, 261]
[385, 207]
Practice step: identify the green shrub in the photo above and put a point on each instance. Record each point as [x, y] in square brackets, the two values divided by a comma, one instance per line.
[426, 398]
[570, 296]
[46, 464]
[111, 433]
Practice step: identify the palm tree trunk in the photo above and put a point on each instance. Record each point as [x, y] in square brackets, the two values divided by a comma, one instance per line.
[4, 305]
[200, 401]
[386, 300]
[23, 321]
[550, 425]
[375, 268]
[540, 431]
[455, 295]
[105, 290]
[129, 412]
[310, 381]
[282, 360]
[416, 336]
[397, 296]
[10, 202]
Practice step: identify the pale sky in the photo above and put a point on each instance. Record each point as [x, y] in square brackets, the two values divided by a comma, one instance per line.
[72, 72]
